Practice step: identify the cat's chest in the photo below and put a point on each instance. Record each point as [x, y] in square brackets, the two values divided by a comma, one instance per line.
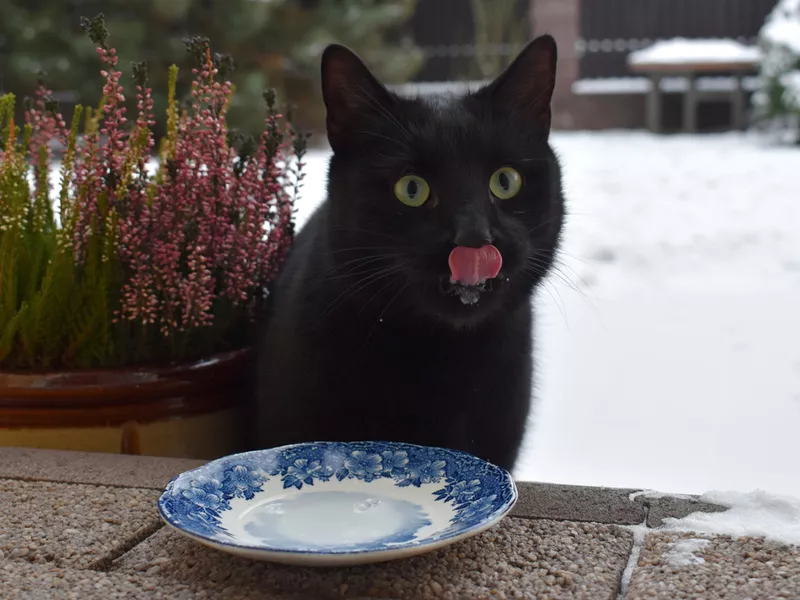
[402, 364]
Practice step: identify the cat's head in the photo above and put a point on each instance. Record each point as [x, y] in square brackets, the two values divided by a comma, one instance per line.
[449, 206]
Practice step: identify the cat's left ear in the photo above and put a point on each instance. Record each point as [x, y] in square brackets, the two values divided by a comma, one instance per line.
[351, 94]
[525, 88]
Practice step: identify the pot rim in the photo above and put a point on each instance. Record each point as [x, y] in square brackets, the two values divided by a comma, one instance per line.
[105, 386]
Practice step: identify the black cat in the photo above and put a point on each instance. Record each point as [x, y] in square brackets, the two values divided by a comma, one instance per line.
[403, 311]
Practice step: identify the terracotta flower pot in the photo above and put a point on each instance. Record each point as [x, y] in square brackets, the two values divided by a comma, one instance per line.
[192, 411]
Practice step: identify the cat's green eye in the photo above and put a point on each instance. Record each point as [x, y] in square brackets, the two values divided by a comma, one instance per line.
[412, 190]
[505, 183]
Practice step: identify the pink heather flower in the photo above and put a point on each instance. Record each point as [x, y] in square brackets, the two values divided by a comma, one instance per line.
[214, 227]
[208, 231]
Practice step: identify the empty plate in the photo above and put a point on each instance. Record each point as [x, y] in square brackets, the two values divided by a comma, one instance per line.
[330, 503]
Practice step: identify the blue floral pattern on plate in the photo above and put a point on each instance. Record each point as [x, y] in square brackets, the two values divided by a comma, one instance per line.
[478, 492]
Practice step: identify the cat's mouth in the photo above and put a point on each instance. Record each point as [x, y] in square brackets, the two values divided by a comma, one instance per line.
[472, 272]
[468, 294]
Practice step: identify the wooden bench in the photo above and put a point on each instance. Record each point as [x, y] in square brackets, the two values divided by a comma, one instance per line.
[691, 59]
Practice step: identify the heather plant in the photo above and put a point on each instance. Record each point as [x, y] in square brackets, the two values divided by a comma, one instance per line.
[131, 252]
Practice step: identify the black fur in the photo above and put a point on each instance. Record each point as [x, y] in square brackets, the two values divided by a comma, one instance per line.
[365, 340]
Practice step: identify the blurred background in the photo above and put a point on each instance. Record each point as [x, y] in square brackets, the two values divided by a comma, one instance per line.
[429, 45]
[667, 337]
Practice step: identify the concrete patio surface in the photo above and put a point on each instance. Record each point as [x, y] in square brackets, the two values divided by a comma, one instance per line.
[78, 525]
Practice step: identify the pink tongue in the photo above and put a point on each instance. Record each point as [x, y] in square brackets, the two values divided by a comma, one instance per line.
[471, 266]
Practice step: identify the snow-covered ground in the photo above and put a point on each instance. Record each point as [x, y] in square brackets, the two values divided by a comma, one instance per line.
[675, 364]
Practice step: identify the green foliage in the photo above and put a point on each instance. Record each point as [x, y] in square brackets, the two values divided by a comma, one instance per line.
[51, 312]
[496, 21]
[777, 102]
[276, 42]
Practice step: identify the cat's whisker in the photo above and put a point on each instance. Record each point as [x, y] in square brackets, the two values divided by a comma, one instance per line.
[571, 214]
[552, 269]
[583, 295]
[384, 137]
[557, 274]
[543, 265]
[380, 291]
[371, 280]
[542, 224]
[358, 273]
[560, 253]
[375, 295]
[362, 284]
[538, 268]
[542, 272]
[561, 264]
[369, 232]
[554, 291]
[359, 249]
[354, 272]
[386, 308]
[537, 159]
[366, 257]
[544, 259]
[549, 288]
[362, 261]
[557, 258]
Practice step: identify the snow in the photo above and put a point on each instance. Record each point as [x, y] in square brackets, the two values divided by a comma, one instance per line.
[686, 51]
[424, 88]
[667, 353]
[655, 495]
[684, 552]
[675, 364]
[791, 83]
[752, 514]
[749, 514]
[639, 533]
[611, 85]
[782, 26]
[641, 85]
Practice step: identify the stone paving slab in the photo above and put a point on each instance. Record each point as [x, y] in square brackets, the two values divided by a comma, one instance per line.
[663, 506]
[27, 581]
[92, 467]
[576, 503]
[678, 566]
[72, 524]
[32, 581]
[518, 558]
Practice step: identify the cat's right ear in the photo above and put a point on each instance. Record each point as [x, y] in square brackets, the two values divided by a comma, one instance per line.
[525, 88]
[350, 92]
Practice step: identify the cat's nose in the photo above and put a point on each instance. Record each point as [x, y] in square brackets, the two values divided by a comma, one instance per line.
[474, 237]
